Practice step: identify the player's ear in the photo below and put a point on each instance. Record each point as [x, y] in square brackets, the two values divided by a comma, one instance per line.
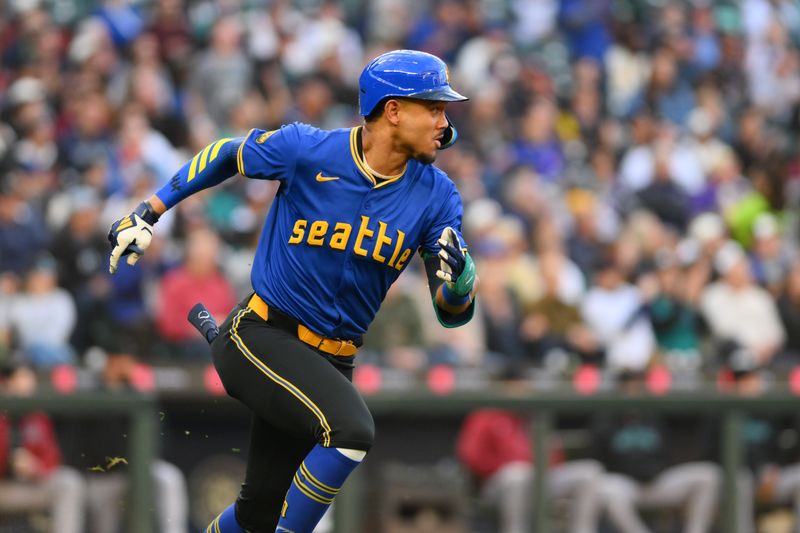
[391, 110]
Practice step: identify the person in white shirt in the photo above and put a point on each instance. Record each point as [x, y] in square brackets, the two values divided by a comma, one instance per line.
[614, 311]
[43, 300]
[738, 310]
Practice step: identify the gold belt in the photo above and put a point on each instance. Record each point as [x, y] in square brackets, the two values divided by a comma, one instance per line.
[330, 346]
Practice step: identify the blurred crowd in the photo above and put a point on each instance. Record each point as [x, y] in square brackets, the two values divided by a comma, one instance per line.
[630, 172]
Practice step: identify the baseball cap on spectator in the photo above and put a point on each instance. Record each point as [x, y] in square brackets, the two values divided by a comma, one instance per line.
[728, 256]
[706, 227]
[765, 226]
[580, 201]
[510, 230]
[700, 122]
[481, 214]
[688, 251]
[25, 90]
[91, 35]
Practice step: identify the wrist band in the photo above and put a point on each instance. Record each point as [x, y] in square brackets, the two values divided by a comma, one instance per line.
[145, 211]
[452, 298]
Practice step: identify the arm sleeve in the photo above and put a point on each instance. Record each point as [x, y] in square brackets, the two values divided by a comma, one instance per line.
[211, 166]
[268, 155]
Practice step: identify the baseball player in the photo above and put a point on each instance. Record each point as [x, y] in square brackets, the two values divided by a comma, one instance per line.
[352, 206]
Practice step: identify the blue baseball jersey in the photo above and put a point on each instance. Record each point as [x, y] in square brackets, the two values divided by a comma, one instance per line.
[336, 238]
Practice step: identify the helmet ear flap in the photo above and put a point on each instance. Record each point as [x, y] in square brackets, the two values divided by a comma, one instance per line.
[450, 135]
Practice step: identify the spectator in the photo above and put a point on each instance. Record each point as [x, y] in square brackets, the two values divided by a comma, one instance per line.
[23, 233]
[591, 124]
[664, 197]
[770, 261]
[170, 26]
[636, 165]
[501, 314]
[672, 295]
[222, 75]
[635, 449]
[32, 476]
[396, 336]
[86, 136]
[585, 243]
[627, 67]
[668, 93]
[126, 332]
[755, 141]
[771, 67]
[80, 250]
[495, 447]
[771, 471]
[538, 146]
[198, 279]
[585, 23]
[142, 150]
[43, 347]
[553, 323]
[738, 310]
[107, 482]
[789, 308]
[708, 149]
[614, 312]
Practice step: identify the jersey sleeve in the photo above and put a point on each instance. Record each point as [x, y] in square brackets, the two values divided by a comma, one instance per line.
[448, 214]
[269, 155]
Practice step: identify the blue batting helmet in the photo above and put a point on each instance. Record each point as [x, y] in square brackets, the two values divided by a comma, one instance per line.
[406, 73]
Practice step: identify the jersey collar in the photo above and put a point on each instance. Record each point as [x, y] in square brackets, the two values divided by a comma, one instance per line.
[357, 149]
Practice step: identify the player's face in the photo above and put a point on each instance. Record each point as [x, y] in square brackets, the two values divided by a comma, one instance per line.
[421, 128]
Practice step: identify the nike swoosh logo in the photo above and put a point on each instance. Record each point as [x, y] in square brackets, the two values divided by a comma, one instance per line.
[320, 177]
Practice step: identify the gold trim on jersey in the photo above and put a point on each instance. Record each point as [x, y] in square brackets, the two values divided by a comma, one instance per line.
[239, 159]
[214, 524]
[355, 152]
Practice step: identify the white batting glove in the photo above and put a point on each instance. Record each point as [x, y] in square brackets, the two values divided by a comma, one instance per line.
[131, 235]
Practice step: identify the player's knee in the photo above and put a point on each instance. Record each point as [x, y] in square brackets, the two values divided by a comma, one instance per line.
[357, 433]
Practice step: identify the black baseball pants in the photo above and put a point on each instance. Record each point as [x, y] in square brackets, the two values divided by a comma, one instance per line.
[299, 397]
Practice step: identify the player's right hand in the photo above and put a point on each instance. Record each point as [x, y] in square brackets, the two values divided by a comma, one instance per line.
[131, 235]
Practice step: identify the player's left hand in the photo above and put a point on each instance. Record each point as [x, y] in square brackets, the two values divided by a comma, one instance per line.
[455, 264]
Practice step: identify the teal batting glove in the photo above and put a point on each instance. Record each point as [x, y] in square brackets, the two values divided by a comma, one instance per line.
[456, 267]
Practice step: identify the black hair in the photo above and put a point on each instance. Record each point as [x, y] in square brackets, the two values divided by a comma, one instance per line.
[377, 111]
